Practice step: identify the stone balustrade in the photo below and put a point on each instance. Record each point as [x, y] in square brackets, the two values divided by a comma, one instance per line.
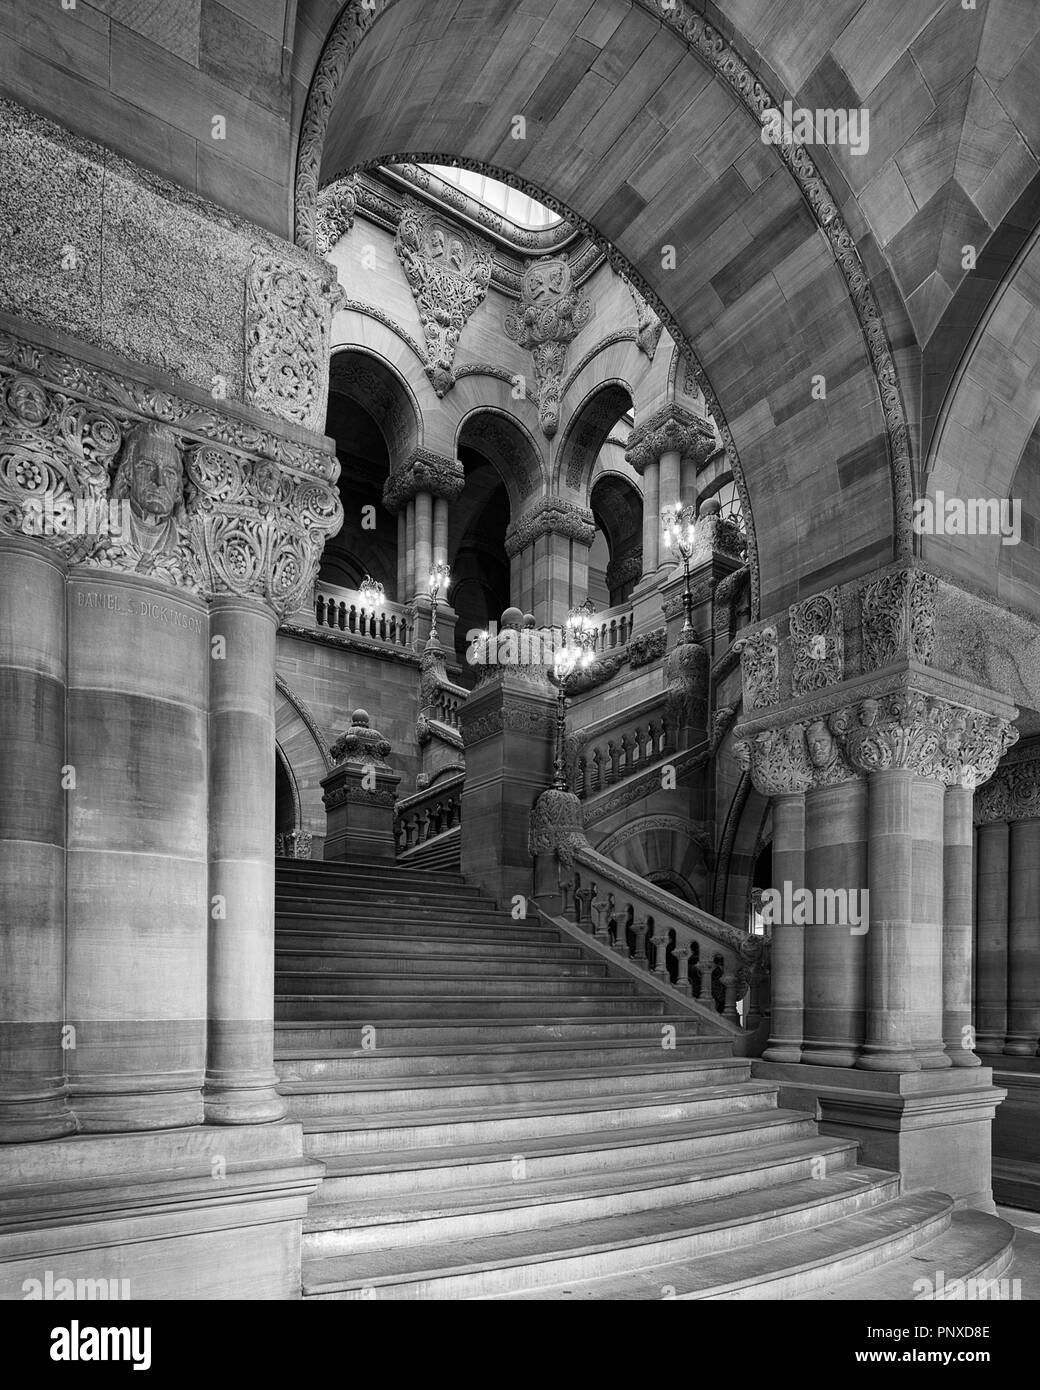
[344, 610]
[623, 745]
[613, 628]
[428, 813]
[698, 955]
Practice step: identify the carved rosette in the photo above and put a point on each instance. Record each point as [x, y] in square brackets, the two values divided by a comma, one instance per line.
[672, 429]
[424, 472]
[448, 271]
[898, 618]
[760, 668]
[1013, 794]
[54, 451]
[552, 516]
[550, 316]
[817, 643]
[288, 319]
[777, 760]
[335, 212]
[557, 826]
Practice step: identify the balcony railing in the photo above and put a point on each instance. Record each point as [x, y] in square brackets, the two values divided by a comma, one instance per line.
[344, 610]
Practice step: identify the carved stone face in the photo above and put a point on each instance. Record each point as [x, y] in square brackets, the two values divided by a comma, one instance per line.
[821, 745]
[155, 481]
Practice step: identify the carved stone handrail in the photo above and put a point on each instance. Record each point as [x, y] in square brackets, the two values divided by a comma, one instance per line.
[671, 939]
[428, 813]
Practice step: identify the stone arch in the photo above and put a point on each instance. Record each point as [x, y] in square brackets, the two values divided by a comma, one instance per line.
[587, 431]
[367, 378]
[305, 754]
[660, 848]
[617, 506]
[739, 294]
[509, 447]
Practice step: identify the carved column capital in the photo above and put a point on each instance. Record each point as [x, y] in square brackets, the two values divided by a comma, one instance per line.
[926, 735]
[424, 472]
[777, 760]
[139, 494]
[552, 516]
[1013, 793]
[672, 428]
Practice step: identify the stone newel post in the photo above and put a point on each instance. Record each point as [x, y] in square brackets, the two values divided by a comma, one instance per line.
[360, 793]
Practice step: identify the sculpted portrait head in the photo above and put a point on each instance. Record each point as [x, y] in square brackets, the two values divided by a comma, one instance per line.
[151, 475]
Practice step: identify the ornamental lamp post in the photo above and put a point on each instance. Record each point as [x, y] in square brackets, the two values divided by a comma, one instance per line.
[440, 579]
[579, 636]
[680, 534]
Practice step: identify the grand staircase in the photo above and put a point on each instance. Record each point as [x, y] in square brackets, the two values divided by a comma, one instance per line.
[504, 1114]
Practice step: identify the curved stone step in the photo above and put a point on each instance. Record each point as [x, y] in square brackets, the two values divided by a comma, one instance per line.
[798, 1228]
[368, 983]
[318, 1036]
[359, 1009]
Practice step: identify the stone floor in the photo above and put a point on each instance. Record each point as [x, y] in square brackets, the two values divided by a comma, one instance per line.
[1027, 1249]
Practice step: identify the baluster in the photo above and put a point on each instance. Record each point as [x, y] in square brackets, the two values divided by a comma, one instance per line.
[580, 777]
[639, 932]
[682, 979]
[626, 745]
[613, 632]
[625, 942]
[599, 908]
[729, 985]
[582, 903]
[319, 609]
[597, 769]
[660, 944]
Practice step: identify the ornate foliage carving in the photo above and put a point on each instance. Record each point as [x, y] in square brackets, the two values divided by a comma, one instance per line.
[777, 760]
[557, 826]
[424, 472]
[817, 642]
[448, 272]
[760, 668]
[552, 516]
[200, 516]
[361, 743]
[647, 647]
[288, 316]
[899, 618]
[550, 316]
[337, 206]
[648, 326]
[516, 717]
[671, 428]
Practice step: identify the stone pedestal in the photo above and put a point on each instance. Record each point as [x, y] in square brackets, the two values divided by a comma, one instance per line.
[508, 727]
[932, 1127]
[360, 794]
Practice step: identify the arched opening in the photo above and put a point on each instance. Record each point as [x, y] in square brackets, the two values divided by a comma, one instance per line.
[615, 560]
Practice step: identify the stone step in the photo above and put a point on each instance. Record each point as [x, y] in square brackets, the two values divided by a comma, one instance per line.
[318, 1037]
[613, 1248]
[721, 1149]
[331, 925]
[466, 1213]
[392, 908]
[353, 945]
[473, 982]
[333, 967]
[975, 1246]
[440, 887]
[347, 1134]
[504, 1060]
[420, 1094]
[417, 1005]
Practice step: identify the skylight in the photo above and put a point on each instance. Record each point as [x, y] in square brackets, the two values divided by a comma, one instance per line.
[517, 206]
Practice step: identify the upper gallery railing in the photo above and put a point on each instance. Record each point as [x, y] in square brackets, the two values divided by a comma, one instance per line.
[345, 610]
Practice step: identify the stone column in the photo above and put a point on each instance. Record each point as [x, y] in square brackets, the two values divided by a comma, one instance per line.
[420, 488]
[402, 557]
[928, 869]
[33, 668]
[409, 538]
[958, 889]
[992, 937]
[137, 898]
[553, 540]
[1023, 952]
[440, 531]
[656, 449]
[788, 956]
[423, 541]
[240, 1076]
[779, 766]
